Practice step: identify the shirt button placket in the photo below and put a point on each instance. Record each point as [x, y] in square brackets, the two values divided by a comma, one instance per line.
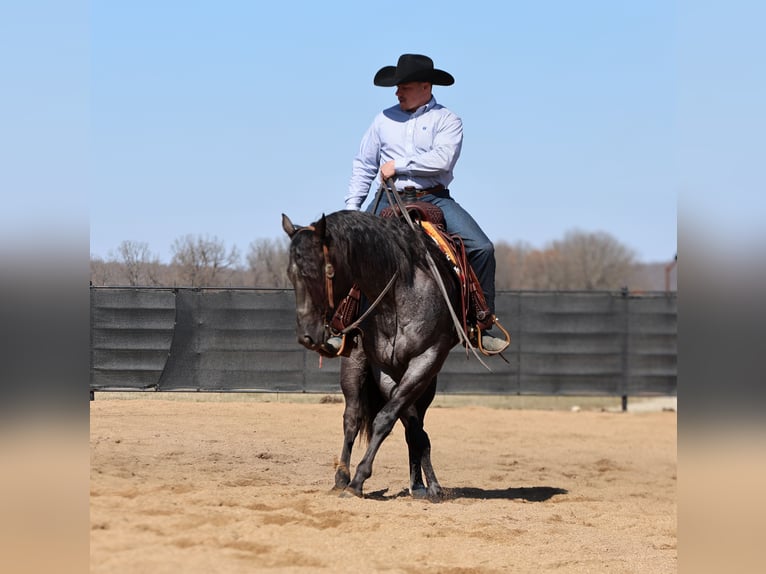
[410, 140]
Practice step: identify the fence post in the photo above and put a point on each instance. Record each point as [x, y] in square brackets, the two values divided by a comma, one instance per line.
[519, 340]
[625, 347]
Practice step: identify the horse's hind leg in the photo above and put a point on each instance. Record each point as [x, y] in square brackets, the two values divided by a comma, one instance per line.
[413, 428]
[420, 461]
[418, 443]
[434, 489]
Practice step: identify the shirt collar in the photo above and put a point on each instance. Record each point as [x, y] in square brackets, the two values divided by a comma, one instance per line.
[425, 107]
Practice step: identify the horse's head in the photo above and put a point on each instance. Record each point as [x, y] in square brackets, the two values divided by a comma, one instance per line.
[311, 274]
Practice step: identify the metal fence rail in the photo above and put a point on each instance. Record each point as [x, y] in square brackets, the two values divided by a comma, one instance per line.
[563, 343]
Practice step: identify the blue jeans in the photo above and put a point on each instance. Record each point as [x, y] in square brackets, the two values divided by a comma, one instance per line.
[478, 247]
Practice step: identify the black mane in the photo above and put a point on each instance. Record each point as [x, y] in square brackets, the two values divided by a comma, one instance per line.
[356, 236]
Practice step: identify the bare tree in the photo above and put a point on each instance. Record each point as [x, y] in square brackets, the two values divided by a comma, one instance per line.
[102, 272]
[513, 265]
[141, 267]
[586, 261]
[506, 258]
[594, 261]
[542, 270]
[581, 261]
[267, 260]
[203, 261]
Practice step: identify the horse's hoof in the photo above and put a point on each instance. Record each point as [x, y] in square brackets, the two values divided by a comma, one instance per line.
[349, 492]
[436, 495]
[419, 493]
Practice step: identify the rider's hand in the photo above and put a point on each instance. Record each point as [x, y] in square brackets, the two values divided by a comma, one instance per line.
[387, 170]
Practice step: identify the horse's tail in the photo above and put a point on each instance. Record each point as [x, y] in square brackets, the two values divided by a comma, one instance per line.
[371, 401]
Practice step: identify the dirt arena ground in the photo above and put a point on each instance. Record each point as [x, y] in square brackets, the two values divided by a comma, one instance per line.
[201, 486]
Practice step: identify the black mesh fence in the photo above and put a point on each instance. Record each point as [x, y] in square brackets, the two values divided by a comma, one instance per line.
[563, 343]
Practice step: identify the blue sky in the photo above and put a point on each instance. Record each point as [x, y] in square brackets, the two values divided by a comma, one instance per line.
[213, 118]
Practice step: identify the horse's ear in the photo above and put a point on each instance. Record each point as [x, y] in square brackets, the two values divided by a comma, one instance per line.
[320, 228]
[288, 226]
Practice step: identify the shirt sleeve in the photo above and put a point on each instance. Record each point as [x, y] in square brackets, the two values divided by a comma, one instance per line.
[364, 169]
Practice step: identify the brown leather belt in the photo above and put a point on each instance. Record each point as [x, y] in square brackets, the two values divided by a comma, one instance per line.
[421, 192]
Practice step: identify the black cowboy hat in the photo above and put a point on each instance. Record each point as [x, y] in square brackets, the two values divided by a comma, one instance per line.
[412, 68]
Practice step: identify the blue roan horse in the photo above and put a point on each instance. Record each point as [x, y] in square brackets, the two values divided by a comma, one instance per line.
[404, 341]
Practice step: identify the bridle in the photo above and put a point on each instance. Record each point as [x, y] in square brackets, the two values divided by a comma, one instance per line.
[329, 275]
[330, 309]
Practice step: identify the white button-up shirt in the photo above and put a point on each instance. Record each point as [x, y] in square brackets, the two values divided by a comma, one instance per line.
[424, 145]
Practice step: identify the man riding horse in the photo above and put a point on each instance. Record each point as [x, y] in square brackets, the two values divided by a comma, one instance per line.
[417, 143]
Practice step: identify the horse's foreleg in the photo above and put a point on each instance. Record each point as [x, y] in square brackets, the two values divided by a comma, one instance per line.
[352, 373]
[381, 428]
[351, 422]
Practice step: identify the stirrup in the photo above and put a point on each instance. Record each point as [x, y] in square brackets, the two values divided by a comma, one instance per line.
[487, 352]
[341, 345]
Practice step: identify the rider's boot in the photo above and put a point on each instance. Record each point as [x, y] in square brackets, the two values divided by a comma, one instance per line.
[335, 342]
[492, 343]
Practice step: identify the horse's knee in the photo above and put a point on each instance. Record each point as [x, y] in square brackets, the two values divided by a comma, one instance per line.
[384, 423]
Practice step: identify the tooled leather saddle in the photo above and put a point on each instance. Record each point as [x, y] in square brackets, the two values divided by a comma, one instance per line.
[474, 308]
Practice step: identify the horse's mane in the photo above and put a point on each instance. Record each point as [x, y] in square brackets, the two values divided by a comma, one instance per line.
[372, 244]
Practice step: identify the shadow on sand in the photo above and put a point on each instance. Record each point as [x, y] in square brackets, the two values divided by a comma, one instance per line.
[527, 493]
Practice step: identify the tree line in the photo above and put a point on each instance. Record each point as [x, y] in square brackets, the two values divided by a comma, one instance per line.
[578, 261]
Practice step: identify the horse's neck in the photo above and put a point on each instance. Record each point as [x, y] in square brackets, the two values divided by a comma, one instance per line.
[371, 284]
